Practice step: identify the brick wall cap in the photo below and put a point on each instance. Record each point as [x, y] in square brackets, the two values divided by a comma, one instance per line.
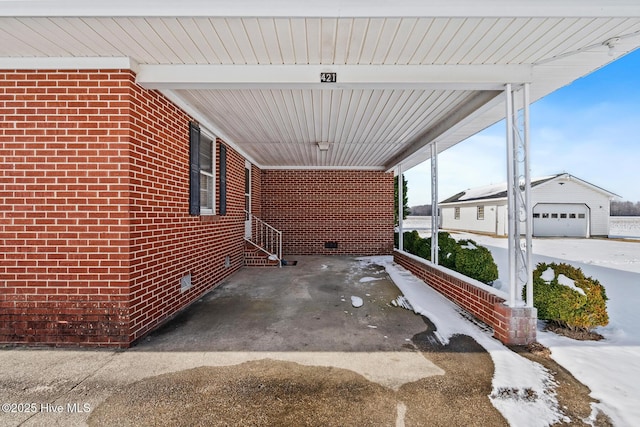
[456, 275]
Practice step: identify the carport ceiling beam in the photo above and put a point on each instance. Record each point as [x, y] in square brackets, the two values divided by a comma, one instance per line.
[474, 104]
[446, 77]
[325, 8]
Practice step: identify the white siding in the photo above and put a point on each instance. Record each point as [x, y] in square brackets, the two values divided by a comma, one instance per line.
[571, 191]
[561, 190]
[469, 218]
[502, 220]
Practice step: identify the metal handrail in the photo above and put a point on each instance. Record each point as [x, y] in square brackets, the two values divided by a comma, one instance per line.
[266, 237]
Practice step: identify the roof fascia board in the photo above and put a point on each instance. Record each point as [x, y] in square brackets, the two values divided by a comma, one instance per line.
[475, 201]
[467, 111]
[534, 187]
[326, 8]
[449, 77]
[324, 168]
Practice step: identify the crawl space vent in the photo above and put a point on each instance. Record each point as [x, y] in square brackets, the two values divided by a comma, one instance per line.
[185, 282]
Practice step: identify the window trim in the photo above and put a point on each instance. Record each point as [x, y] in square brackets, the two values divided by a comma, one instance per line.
[480, 213]
[212, 175]
[456, 213]
[196, 135]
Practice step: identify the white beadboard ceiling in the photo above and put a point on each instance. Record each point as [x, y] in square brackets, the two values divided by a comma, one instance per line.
[405, 78]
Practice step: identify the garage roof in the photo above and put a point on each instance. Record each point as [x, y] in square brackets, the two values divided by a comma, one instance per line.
[499, 191]
[409, 72]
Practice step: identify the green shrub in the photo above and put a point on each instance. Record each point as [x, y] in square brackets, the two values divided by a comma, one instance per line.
[475, 261]
[565, 305]
[410, 241]
[447, 250]
[422, 248]
[409, 238]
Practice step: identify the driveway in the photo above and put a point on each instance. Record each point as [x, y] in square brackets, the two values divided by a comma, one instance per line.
[267, 347]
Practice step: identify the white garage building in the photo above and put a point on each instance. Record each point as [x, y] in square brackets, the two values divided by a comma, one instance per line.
[563, 206]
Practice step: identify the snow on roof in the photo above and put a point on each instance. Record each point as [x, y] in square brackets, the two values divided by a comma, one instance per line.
[498, 191]
[492, 191]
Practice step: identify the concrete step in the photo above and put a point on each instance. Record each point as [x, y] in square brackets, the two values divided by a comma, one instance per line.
[256, 257]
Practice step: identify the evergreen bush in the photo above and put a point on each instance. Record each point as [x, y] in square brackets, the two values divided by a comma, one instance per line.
[475, 261]
[447, 250]
[465, 256]
[410, 241]
[422, 248]
[563, 295]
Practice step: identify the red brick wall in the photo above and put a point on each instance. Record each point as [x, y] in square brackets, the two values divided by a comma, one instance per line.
[511, 325]
[167, 243]
[94, 205]
[352, 208]
[64, 264]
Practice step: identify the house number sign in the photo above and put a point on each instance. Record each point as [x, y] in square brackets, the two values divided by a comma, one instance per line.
[328, 77]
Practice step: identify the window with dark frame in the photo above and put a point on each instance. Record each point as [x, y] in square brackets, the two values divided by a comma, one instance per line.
[201, 172]
[480, 212]
[194, 169]
[206, 176]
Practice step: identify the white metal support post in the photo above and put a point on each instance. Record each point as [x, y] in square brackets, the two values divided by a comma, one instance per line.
[400, 210]
[435, 220]
[520, 216]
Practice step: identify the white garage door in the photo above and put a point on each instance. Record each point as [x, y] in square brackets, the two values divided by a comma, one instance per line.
[560, 219]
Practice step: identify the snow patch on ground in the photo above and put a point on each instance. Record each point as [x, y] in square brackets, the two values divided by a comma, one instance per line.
[356, 301]
[626, 227]
[369, 279]
[523, 391]
[611, 367]
[401, 301]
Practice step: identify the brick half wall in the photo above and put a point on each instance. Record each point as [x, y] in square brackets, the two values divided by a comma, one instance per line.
[511, 325]
[351, 208]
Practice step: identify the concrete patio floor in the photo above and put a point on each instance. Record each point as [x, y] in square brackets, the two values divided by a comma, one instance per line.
[293, 329]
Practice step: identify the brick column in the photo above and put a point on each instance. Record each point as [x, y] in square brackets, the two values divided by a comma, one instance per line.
[515, 325]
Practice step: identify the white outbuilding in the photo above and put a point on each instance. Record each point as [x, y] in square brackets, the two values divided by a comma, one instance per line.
[563, 206]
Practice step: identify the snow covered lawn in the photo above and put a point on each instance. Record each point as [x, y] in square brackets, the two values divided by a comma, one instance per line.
[624, 226]
[611, 367]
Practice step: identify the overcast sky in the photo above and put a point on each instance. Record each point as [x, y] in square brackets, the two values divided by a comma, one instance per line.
[590, 129]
